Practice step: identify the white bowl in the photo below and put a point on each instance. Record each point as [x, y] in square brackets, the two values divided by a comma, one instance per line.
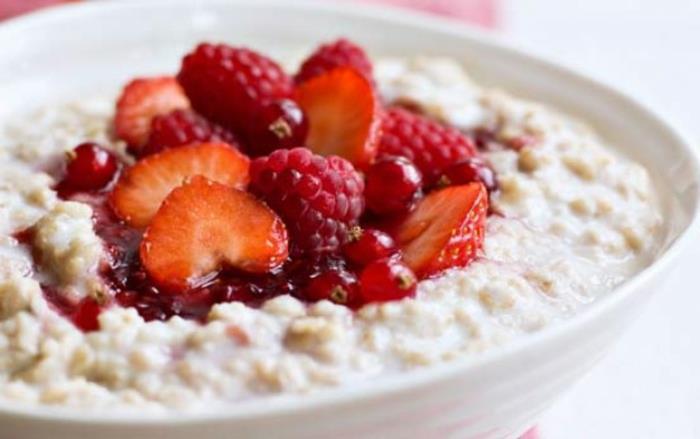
[78, 50]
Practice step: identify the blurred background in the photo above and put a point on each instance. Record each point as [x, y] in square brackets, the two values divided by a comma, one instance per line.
[649, 387]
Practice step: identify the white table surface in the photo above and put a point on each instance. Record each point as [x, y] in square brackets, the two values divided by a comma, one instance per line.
[649, 385]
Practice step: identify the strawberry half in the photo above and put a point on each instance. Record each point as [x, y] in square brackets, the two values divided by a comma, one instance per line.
[141, 100]
[343, 114]
[203, 226]
[445, 230]
[142, 188]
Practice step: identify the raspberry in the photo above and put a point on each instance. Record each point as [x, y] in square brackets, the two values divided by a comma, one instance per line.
[431, 146]
[229, 85]
[319, 198]
[336, 54]
[182, 127]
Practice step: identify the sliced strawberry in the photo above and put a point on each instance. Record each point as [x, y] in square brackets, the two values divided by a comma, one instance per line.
[142, 188]
[343, 113]
[141, 100]
[445, 230]
[204, 226]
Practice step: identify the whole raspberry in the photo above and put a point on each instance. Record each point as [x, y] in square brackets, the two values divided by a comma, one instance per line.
[319, 198]
[431, 146]
[336, 54]
[229, 85]
[181, 127]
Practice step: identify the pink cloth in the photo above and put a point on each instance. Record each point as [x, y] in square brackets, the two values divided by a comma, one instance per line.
[481, 12]
[532, 433]
[10, 8]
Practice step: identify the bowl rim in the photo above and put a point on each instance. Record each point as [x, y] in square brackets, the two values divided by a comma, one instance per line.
[285, 406]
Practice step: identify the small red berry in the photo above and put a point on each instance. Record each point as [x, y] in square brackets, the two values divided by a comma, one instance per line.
[338, 286]
[473, 169]
[90, 168]
[393, 185]
[366, 246]
[279, 124]
[385, 280]
[85, 315]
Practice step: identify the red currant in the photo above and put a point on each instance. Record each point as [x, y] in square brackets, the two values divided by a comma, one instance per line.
[338, 286]
[368, 245]
[392, 185]
[468, 171]
[385, 280]
[279, 124]
[91, 167]
[85, 315]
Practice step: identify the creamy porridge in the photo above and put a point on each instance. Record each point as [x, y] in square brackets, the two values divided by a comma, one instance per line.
[570, 221]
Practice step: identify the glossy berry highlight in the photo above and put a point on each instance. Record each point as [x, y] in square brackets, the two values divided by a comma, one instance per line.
[368, 245]
[393, 185]
[338, 286]
[279, 124]
[385, 280]
[90, 168]
[471, 170]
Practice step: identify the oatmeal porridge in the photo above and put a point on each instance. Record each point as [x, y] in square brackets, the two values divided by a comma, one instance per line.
[126, 281]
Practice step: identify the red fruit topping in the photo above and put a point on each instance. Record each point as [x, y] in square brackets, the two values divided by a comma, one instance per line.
[366, 246]
[431, 146]
[142, 188]
[229, 85]
[182, 127]
[520, 142]
[340, 53]
[344, 115]
[203, 226]
[445, 230]
[473, 169]
[142, 100]
[319, 198]
[85, 315]
[238, 334]
[135, 289]
[385, 280]
[90, 168]
[392, 185]
[279, 124]
[338, 286]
